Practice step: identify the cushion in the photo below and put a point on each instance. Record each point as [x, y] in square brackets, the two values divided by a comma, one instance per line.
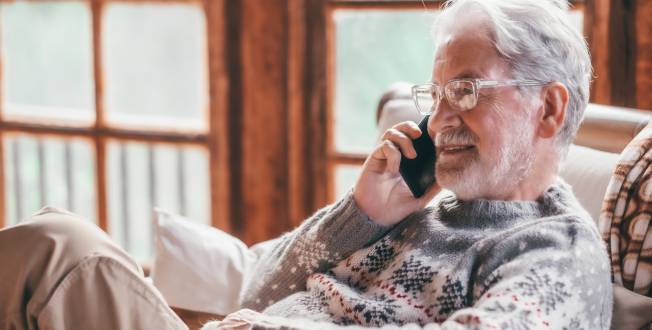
[589, 171]
[200, 268]
[397, 111]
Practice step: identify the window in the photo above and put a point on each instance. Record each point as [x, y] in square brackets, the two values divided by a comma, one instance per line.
[48, 170]
[371, 47]
[142, 175]
[47, 63]
[155, 65]
[105, 112]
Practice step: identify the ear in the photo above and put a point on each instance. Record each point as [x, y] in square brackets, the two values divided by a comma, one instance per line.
[551, 117]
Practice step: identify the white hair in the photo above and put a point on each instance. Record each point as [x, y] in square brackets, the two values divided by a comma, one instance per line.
[539, 42]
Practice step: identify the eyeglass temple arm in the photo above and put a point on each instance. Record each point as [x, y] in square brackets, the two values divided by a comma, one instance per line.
[490, 83]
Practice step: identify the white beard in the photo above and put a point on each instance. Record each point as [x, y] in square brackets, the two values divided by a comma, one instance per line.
[474, 177]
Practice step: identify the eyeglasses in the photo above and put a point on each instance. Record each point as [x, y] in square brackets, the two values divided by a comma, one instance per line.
[462, 94]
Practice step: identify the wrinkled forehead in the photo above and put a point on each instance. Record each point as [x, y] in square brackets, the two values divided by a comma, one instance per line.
[467, 54]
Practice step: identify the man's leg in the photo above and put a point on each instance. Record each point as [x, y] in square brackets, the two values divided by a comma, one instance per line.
[59, 271]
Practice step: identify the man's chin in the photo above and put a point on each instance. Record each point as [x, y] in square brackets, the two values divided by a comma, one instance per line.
[469, 182]
[464, 185]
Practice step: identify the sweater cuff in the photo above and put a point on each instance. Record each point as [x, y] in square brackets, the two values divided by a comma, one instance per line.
[353, 225]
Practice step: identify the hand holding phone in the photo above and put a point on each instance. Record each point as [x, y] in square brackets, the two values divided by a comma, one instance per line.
[419, 172]
[380, 191]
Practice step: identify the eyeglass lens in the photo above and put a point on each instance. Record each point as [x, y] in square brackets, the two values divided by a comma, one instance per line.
[460, 95]
[426, 100]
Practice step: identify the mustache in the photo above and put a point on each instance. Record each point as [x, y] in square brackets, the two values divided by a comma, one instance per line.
[457, 136]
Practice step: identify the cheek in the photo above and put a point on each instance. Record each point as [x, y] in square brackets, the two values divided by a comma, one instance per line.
[490, 133]
[497, 124]
[495, 143]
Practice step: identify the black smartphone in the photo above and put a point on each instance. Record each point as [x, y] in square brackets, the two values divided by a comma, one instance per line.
[419, 173]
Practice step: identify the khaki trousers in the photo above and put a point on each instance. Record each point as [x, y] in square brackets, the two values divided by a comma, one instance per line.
[59, 271]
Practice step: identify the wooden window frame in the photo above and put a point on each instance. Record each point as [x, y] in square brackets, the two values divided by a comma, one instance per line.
[260, 186]
[101, 132]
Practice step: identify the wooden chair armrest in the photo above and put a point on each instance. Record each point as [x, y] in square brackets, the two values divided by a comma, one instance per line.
[195, 320]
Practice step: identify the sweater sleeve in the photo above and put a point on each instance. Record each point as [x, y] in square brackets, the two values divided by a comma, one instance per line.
[556, 279]
[330, 235]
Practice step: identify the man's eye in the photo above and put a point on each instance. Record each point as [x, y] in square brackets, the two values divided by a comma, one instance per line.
[467, 91]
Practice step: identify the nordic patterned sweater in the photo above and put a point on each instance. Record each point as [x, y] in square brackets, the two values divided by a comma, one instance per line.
[459, 265]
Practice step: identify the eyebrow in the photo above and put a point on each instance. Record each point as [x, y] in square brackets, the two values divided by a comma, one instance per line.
[467, 75]
[470, 75]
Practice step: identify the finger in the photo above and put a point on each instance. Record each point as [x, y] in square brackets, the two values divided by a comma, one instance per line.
[233, 323]
[403, 141]
[389, 152]
[409, 128]
[393, 156]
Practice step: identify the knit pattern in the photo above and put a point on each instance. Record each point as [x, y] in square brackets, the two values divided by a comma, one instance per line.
[457, 265]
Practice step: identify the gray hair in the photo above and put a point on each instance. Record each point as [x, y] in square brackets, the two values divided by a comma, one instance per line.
[539, 42]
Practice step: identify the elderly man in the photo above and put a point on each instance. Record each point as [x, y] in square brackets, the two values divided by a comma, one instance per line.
[510, 248]
[507, 246]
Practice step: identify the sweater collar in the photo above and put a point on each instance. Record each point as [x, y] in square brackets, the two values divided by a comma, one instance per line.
[481, 212]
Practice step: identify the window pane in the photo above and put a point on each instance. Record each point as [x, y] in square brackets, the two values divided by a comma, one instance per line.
[577, 17]
[374, 49]
[345, 178]
[47, 60]
[47, 171]
[141, 176]
[155, 61]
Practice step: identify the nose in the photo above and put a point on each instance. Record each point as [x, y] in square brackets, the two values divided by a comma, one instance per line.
[443, 118]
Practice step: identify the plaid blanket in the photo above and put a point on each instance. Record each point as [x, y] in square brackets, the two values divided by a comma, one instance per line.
[625, 217]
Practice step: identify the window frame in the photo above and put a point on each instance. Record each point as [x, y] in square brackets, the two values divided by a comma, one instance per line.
[212, 139]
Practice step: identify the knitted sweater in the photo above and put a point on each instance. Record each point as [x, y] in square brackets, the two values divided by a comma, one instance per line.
[458, 265]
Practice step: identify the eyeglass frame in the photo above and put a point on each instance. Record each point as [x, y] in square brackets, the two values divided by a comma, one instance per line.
[477, 83]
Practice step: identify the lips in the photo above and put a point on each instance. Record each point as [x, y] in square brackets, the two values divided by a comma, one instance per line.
[455, 148]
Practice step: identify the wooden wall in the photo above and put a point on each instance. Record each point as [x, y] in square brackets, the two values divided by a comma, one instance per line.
[268, 139]
[619, 33]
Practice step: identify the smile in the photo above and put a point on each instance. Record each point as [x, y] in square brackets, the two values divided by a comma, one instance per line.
[456, 148]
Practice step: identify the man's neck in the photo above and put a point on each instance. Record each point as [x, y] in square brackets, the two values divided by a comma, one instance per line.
[543, 175]
[531, 190]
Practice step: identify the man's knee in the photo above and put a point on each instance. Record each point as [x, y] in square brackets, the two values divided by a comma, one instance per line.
[61, 239]
[55, 224]
[57, 267]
